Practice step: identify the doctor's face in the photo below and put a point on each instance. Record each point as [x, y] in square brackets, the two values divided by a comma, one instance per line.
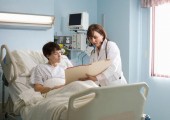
[96, 39]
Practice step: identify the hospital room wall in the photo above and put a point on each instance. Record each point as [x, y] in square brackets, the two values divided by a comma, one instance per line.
[114, 15]
[64, 7]
[122, 27]
[62, 10]
[26, 39]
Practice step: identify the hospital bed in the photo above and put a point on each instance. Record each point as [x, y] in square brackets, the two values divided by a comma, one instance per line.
[125, 102]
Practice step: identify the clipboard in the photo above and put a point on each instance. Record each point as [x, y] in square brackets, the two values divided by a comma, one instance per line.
[74, 73]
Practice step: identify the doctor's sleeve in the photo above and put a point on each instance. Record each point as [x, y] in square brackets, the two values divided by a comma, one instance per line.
[114, 71]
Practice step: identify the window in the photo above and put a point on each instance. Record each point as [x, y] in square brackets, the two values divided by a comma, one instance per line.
[160, 58]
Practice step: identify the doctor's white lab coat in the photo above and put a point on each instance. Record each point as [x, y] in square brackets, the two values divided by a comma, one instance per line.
[112, 75]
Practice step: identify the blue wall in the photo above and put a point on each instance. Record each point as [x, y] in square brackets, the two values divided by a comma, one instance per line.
[62, 11]
[64, 8]
[116, 22]
[26, 39]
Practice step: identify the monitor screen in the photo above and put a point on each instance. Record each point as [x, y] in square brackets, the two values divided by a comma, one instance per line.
[75, 19]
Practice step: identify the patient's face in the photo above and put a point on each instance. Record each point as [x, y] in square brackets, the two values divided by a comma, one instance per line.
[55, 56]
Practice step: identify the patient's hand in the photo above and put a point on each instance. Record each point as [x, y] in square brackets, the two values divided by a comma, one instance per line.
[89, 77]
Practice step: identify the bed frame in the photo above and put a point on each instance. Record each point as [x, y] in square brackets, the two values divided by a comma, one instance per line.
[124, 102]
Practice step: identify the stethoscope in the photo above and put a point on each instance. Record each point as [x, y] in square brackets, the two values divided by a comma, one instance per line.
[93, 51]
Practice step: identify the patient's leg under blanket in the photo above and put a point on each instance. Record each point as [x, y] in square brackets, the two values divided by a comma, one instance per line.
[56, 101]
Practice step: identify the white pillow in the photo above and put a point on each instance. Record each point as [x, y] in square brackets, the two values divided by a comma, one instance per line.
[26, 60]
[54, 82]
[65, 62]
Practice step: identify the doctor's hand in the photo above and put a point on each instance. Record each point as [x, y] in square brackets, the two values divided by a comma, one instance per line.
[88, 77]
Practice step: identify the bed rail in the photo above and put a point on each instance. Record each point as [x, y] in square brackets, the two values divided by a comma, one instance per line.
[121, 102]
[9, 67]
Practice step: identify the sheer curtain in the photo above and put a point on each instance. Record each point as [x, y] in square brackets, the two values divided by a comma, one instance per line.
[151, 3]
[161, 41]
[160, 56]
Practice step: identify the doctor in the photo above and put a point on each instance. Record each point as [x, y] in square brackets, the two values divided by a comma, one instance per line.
[105, 49]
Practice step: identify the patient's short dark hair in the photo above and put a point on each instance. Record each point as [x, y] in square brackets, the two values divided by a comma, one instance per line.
[49, 47]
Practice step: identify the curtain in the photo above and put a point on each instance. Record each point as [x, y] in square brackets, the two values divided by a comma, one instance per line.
[151, 3]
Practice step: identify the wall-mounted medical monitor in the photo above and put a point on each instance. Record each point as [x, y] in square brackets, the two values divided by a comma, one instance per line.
[78, 21]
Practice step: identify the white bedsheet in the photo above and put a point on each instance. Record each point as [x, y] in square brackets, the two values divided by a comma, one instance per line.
[55, 103]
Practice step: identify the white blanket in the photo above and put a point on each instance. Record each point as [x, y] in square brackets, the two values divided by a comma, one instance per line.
[55, 102]
[30, 97]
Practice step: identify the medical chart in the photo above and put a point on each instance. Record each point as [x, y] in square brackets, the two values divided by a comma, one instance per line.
[74, 73]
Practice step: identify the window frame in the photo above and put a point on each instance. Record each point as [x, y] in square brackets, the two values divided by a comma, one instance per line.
[153, 74]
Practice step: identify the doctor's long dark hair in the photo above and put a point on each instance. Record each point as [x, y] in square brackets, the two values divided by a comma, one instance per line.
[98, 28]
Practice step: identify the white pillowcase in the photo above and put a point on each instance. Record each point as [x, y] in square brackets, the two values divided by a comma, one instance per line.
[26, 60]
[54, 82]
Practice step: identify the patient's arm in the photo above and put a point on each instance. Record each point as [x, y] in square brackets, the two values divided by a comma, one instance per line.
[42, 89]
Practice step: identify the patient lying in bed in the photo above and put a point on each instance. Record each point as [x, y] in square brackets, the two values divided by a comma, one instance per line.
[51, 75]
[45, 73]
[49, 80]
